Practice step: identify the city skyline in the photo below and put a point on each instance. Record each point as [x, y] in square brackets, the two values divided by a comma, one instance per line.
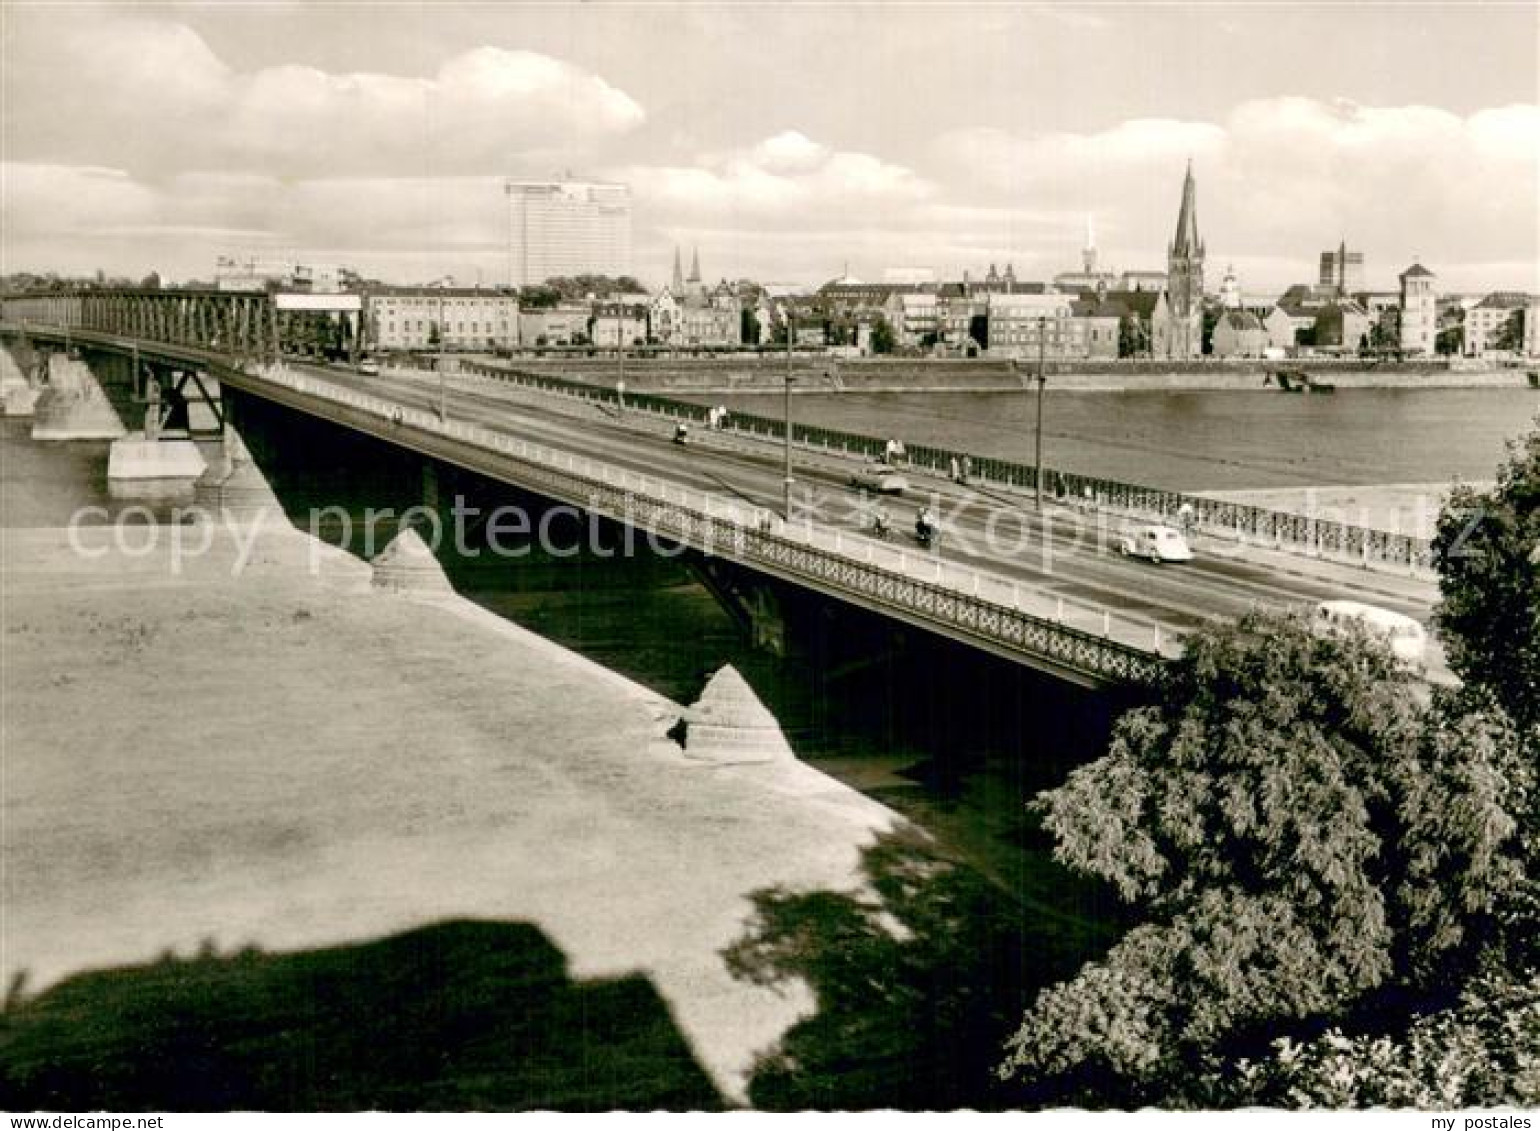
[948, 137]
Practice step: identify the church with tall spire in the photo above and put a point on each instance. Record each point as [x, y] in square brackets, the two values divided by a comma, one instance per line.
[689, 313]
[1184, 278]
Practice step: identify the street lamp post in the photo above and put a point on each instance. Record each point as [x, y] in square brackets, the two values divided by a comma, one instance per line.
[1042, 380]
[790, 332]
[443, 400]
[620, 354]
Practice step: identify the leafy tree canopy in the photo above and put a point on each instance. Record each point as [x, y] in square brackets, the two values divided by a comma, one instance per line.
[1488, 552]
[600, 286]
[1300, 829]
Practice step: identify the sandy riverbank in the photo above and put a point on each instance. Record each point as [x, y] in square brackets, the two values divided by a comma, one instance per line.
[201, 763]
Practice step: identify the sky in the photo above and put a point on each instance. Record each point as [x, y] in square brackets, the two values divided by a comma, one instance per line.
[789, 142]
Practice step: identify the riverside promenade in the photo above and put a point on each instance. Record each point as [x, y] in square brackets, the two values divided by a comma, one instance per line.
[205, 763]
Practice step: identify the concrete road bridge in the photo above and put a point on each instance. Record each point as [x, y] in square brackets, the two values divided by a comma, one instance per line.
[1045, 588]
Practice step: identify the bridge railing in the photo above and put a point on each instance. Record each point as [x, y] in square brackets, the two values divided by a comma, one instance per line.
[1093, 639]
[1285, 530]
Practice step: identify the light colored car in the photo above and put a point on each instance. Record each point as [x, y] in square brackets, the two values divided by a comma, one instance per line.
[880, 479]
[1157, 543]
[369, 367]
[1407, 639]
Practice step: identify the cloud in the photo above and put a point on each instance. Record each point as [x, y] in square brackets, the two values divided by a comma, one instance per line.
[150, 96]
[1281, 178]
[785, 175]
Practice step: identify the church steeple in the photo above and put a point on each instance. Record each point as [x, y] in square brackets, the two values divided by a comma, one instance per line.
[1187, 243]
[694, 266]
[1184, 276]
[678, 287]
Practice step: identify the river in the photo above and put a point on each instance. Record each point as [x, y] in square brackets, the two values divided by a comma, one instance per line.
[1201, 440]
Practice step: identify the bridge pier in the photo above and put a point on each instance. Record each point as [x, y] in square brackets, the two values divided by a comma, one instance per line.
[73, 405]
[19, 384]
[749, 599]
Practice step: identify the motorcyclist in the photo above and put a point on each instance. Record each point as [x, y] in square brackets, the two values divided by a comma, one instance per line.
[880, 522]
[681, 433]
[925, 525]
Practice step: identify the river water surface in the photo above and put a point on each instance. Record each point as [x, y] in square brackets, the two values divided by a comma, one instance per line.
[1201, 440]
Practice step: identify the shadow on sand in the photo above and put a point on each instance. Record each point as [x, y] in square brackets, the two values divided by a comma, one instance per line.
[455, 1016]
[917, 991]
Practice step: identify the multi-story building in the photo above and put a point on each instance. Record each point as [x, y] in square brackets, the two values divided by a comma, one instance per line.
[689, 313]
[707, 325]
[565, 324]
[1100, 322]
[618, 323]
[456, 318]
[1239, 333]
[915, 318]
[961, 318]
[1023, 325]
[1141, 281]
[257, 273]
[1342, 327]
[1419, 310]
[1287, 321]
[662, 316]
[1496, 322]
[565, 228]
[1342, 269]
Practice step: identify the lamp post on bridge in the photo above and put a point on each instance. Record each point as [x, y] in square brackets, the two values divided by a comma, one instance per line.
[790, 333]
[443, 394]
[620, 354]
[1042, 380]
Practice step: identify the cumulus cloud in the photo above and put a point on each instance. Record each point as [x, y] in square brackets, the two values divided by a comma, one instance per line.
[785, 176]
[1281, 178]
[152, 97]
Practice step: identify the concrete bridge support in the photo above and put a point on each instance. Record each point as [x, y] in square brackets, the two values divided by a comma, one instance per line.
[73, 405]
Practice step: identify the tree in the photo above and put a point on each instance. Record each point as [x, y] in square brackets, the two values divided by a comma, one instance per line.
[1482, 1052]
[1211, 316]
[1385, 332]
[1449, 340]
[1510, 335]
[1133, 336]
[538, 298]
[883, 341]
[1300, 831]
[1488, 551]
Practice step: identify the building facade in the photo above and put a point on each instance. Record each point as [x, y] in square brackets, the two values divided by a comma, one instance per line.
[688, 313]
[1342, 327]
[459, 319]
[1239, 333]
[619, 324]
[256, 273]
[1342, 269]
[566, 324]
[1496, 323]
[1022, 325]
[1419, 310]
[566, 228]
